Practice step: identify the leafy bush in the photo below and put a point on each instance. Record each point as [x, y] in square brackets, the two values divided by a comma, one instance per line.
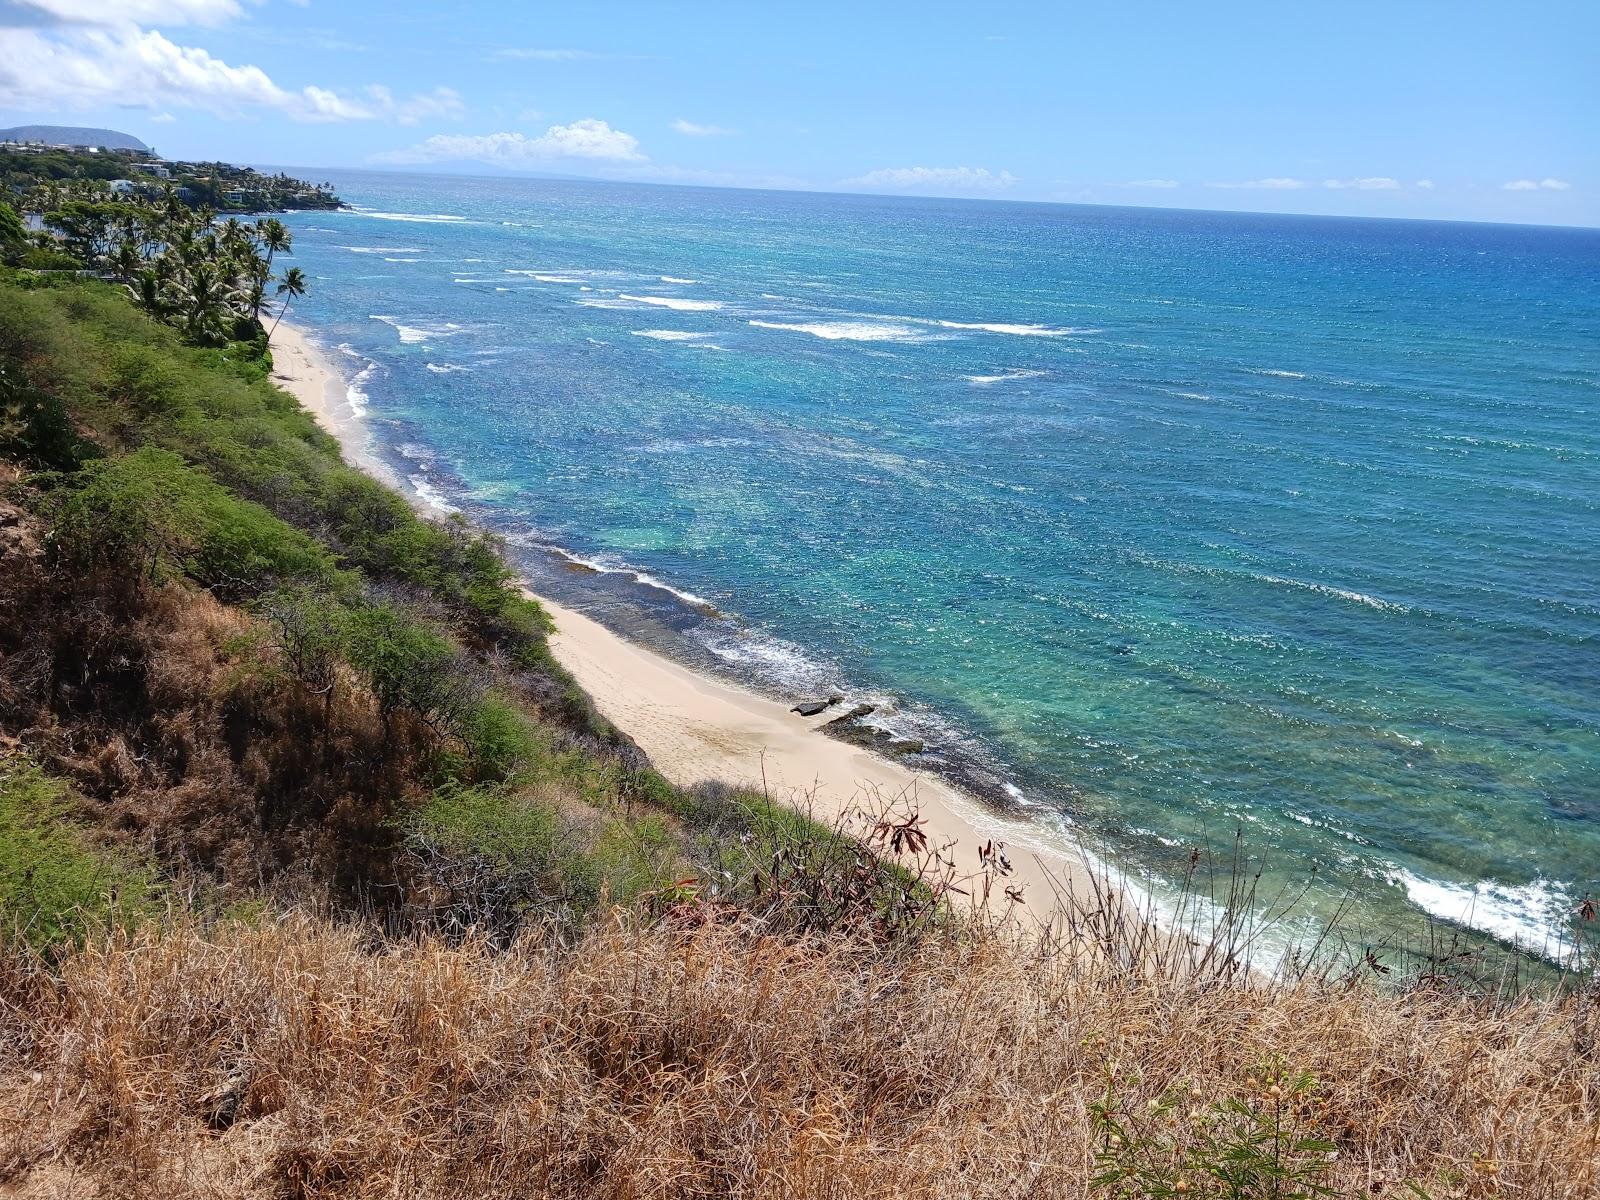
[498, 737]
[410, 667]
[151, 514]
[490, 859]
[53, 887]
[34, 426]
[1266, 1144]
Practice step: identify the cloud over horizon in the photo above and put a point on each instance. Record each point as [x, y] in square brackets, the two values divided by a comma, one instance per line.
[1275, 183]
[1536, 185]
[589, 139]
[933, 179]
[1369, 183]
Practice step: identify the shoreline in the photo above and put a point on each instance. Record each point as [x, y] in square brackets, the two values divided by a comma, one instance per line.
[696, 728]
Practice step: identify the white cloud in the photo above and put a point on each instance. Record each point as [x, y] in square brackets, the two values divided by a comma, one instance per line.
[667, 173]
[1369, 183]
[82, 53]
[126, 12]
[1425, 184]
[692, 129]
[534, 55]
[934, 179]
[589, 139]
[1151, 183]
[1276, 183]
[441, 103]
[1537, 185]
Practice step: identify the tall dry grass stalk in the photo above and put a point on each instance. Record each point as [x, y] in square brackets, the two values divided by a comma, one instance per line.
[301, 1059]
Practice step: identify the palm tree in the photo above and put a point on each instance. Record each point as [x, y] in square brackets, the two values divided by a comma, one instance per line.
[150, 290]
[205, 302]
[128, 259]
[275, 237]
[293, 285]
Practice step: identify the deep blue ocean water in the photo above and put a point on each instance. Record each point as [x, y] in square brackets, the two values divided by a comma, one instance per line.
[1168, 524]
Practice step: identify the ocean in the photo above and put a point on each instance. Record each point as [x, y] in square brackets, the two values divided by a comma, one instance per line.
[1176, 529]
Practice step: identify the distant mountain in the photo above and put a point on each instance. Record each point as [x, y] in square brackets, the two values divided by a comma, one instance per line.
[72, 135]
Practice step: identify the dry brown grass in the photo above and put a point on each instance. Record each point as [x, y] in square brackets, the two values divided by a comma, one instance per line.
[303, 1060]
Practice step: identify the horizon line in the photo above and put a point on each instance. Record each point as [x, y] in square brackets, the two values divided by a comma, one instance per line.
[560, 177]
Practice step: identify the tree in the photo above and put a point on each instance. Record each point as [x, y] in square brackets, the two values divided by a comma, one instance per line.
[205, 306]
[13, 234]
[274, 237]
[91, 229]
[293, 285]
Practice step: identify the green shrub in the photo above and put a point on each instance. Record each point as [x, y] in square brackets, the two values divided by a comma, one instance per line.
[34, 426]
[499, 738]
[53, 887]
[151, 514]
[1266, 1143]
[490, 859]
[148, 382]
[637, 856]
[311, 628]
[410, 667]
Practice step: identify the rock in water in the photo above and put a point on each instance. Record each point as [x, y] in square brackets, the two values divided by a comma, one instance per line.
[854, 714]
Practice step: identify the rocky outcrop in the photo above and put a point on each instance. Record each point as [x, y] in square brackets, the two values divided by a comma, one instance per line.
[810, 708]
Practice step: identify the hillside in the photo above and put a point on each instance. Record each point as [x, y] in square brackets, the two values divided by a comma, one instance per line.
[73, 135]
[320, 878]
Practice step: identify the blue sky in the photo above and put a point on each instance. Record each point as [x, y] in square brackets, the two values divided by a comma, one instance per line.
[1421, 109]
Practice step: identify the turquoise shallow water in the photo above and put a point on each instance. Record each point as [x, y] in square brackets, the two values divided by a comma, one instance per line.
[1169, 524]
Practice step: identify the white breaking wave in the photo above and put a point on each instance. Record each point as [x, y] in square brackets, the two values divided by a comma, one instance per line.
[446, 368]
[604, 565]
[675, 302]
[675, 279]
[774, 659]
[1328, 589]
[355, 394]
[402, 260]
[543, 276]
[1279, 374]
[1019, 330]
[1014, 373]
[430, 495]
[1531, 916]
[384, 249]
[413, 334]
[669, 335]
[417, 218]
[848, 331]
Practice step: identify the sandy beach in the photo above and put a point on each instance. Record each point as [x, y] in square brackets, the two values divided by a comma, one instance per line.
[695, 728]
